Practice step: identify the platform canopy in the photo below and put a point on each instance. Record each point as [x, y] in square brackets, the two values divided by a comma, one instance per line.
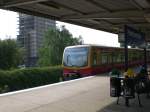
[106, 15]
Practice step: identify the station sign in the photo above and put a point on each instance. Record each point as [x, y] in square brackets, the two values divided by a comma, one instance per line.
[134, 37]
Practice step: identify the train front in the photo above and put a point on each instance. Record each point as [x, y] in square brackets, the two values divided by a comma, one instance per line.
[76, 62]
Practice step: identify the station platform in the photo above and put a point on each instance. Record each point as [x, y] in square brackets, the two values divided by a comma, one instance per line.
[89, 94]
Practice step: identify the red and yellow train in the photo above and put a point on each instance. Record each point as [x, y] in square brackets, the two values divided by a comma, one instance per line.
[87, 60]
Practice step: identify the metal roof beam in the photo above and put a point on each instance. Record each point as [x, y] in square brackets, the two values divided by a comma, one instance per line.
[103, 20]
[35, 13]
[136, 4]
[98, 5]
[108, 22]
[14, 3]
[140, 25]
[143, 3]
[130, 21]
[106, 15]
[1, 2]
[62, 6]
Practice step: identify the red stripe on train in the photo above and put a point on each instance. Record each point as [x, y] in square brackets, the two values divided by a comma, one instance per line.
[98, 69]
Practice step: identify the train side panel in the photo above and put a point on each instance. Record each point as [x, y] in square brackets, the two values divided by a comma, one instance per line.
[104, 59]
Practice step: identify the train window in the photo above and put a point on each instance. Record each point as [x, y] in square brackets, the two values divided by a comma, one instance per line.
[130, 55]
[141, 55]
[77, 57]
[109, 58]
[118, 57]
[104, 58]
[135, 55]
[138, 55]
[121, 57]
[114, 58]
[94, 58]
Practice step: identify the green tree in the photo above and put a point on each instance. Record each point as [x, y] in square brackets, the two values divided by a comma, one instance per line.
[10, 54]
[55, 40]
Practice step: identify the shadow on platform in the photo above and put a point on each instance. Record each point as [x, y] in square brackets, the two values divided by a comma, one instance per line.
[133, 107]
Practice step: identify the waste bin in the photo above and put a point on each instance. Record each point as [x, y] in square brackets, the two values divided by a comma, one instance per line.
[115, 87]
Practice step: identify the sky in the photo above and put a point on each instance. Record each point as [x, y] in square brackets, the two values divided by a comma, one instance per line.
[9, 29]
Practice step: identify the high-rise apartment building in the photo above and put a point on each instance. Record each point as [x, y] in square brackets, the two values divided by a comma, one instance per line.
[31, 34]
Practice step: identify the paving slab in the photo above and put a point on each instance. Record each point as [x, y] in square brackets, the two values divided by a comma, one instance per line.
[85, 95]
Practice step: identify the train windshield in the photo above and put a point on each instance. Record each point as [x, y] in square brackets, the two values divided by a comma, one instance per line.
[76, 57]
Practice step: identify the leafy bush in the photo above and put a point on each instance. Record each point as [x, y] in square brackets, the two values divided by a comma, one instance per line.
[115, 72]
[27, 78]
